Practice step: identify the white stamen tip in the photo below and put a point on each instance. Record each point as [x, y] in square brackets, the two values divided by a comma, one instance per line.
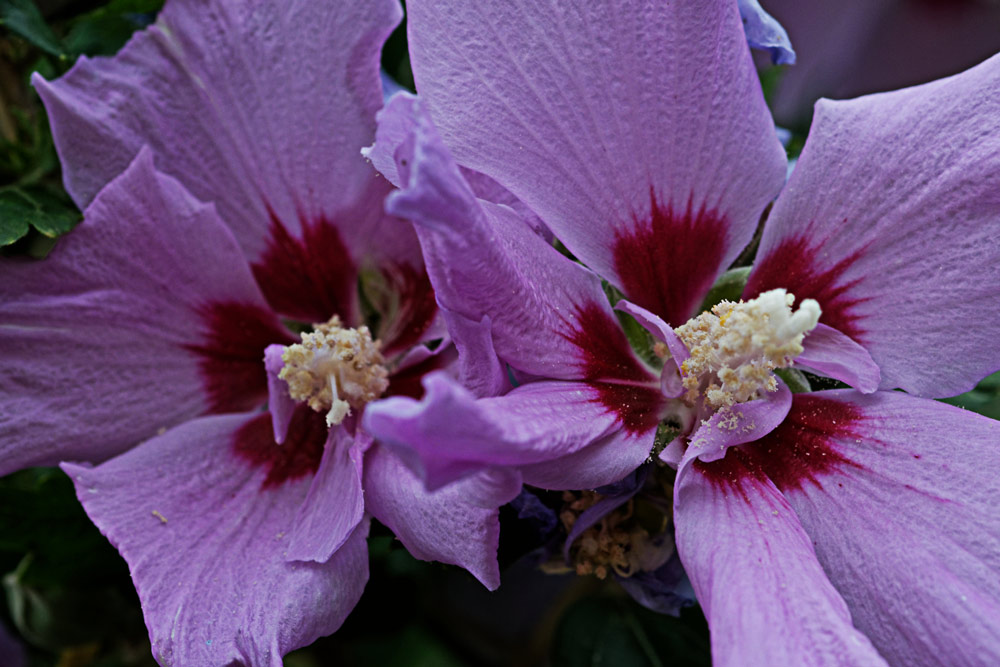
[735, 347]
[335, 369]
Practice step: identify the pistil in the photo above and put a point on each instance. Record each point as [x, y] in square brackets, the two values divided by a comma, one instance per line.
[335, 369]
[736, 347]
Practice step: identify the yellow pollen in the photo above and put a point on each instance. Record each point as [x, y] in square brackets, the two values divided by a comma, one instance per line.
[735, 347]
[335, 369]
[617, 543]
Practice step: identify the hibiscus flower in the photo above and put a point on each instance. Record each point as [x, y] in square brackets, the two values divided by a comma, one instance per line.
[845, 526]
[228, 209]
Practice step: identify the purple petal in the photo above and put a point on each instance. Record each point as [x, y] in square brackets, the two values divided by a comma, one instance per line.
[903, 517]
[764, 32]
[489, 190]
[145, 316]
[602, 462]
[665, 590]
[831, 353]
[755, 573]
[279, 400]
[458, 524]
[637, 131]
[742, 423]
[270, 134]
[479, 369]
[671, 377]
[239, 118]
[335, 504]
[11, 649]
[660, 330]
[396, 122]
[205, 537]
[549, 315]
[449, 433]
[890, 222]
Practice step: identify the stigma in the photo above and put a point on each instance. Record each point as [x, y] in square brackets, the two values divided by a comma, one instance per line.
[736, 347]
[335, 369]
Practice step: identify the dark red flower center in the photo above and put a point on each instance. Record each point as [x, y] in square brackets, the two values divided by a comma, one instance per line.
[623, 385]
[308, 279]
[668, 262]
[801, 451]
[794, 265]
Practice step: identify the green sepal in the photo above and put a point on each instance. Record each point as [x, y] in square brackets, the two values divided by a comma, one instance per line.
[665, 434]
[639, 338]
[795, 379]
[729, 287]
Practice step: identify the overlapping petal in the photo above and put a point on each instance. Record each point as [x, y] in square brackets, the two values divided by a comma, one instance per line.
[205, 531]
[549, 316]
[335, 504]
[899, 496]
[743, 422]
[836, 355]
[458, 524]
[890, 221]
[764, 32]
[395, 124]
[275, 127]
[449, 434]
[268, 133]
[104, 345]
[589, 114]
[279, 401]
[753, 568]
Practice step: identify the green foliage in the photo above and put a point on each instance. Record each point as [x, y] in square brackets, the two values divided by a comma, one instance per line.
[28, 155]
[795, 379]
[98, 32]
[59, 569]
[729, 287]
[21, 210]
[23, 18]
[34, 209]
[606, 631]
[639, 338]
[106, 29]
[984, 399]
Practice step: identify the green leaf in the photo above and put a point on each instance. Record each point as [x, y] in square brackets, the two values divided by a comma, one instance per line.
[38, 208]
[795, 379]
[15, 214]
[984, 399]
[59, 567]
[106, 29]
[55, 617]
[729, 287]
[639, 338]
[23, 18]
[40, 515]
[604, 631]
